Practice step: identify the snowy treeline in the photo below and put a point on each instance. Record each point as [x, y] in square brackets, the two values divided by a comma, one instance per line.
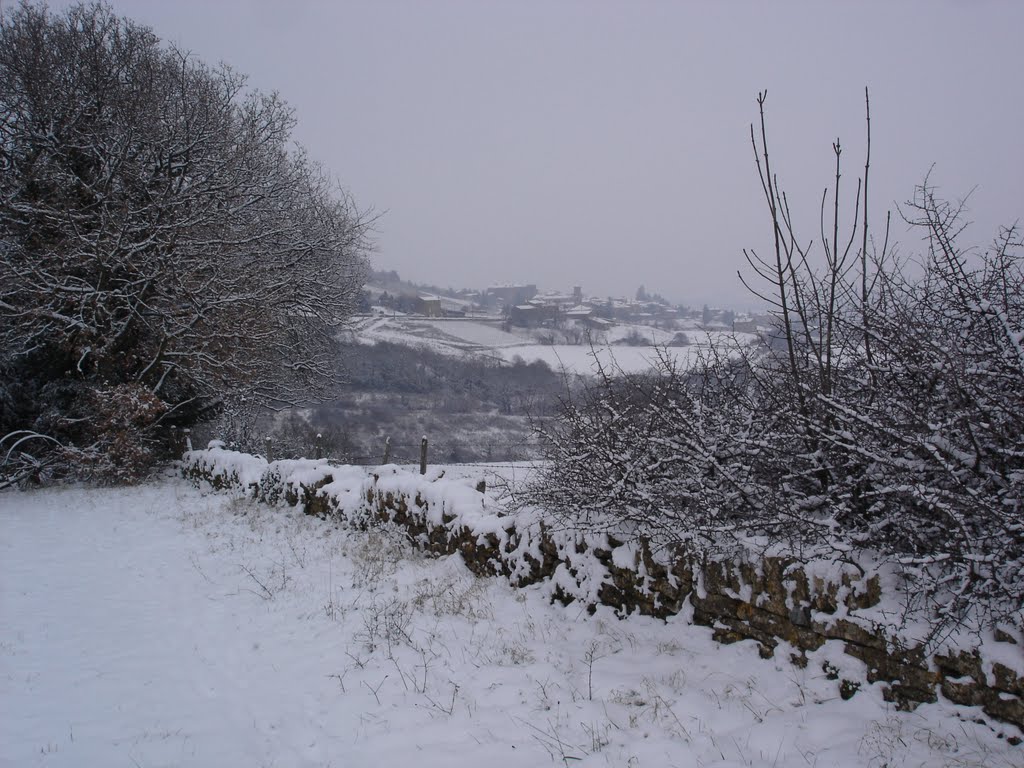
[886, 414]
[165, 250]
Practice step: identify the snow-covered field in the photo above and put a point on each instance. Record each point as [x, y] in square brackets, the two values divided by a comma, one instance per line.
[473, 338]
[159, 626]
[583, 359]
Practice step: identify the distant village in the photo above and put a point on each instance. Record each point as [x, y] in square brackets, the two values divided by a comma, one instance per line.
[524, 306]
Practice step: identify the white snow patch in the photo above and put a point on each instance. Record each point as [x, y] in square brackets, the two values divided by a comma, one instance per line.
[158, 626]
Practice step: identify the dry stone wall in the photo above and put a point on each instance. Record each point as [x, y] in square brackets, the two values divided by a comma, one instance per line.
[777, 602]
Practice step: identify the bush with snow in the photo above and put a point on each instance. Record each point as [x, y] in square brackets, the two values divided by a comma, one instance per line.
[885, 415]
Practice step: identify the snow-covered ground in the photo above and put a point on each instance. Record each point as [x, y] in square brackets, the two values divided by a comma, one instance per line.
[160, 626]
[584, 359]
[465, 337]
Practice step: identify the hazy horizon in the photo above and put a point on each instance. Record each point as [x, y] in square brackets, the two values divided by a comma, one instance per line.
[607, 144]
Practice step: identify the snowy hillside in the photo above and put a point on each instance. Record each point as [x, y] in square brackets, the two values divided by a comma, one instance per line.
[160, 626]
[486, 338]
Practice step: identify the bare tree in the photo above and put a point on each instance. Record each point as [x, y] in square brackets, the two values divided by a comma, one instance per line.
[160, 235]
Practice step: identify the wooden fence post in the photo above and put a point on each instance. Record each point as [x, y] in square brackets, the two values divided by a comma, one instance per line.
[188, 439]
[423, 456]
[387, 450]
[269, 450]
[319, 446]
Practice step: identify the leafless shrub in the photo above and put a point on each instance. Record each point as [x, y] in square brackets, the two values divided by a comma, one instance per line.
[885, 414]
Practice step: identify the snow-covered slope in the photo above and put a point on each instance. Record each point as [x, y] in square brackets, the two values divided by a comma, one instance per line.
[485, 338]
[159, 626]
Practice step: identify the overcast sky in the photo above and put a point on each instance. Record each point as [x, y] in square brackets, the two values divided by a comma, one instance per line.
[607, 143]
